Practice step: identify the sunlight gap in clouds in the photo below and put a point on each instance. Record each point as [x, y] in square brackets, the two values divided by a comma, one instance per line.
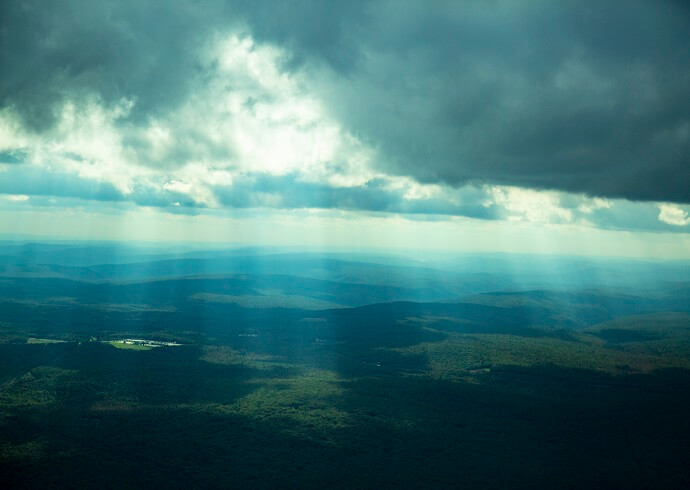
[249, 117]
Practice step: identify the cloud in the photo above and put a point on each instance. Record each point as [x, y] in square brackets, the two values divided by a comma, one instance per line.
[16, 197]
[12, 156]
[144, 51]
[531, 94]
[673, 215]
[245, 115]
[511, 110]
[593, 205]
[529, 205]
[198, 191]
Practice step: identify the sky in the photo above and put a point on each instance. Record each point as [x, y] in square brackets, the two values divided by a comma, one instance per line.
[523, 126]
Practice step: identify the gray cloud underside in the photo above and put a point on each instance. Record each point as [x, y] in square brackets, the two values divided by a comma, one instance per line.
[591, 98]
[265, 191]
[248, 191]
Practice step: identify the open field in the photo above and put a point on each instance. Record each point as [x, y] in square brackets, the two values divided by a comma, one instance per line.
[124, 345]
[32, 340]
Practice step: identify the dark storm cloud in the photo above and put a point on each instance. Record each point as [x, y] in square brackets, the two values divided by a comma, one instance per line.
[585, 97]
[579, 97]
[55, 50]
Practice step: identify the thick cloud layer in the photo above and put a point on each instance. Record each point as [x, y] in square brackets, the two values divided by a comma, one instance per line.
[588, 98]
[591, 99]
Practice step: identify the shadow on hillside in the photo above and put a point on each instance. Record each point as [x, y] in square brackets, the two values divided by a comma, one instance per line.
[529, 427]
[165, 375]
[620, 335]
[520, 428]
[95, 372]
